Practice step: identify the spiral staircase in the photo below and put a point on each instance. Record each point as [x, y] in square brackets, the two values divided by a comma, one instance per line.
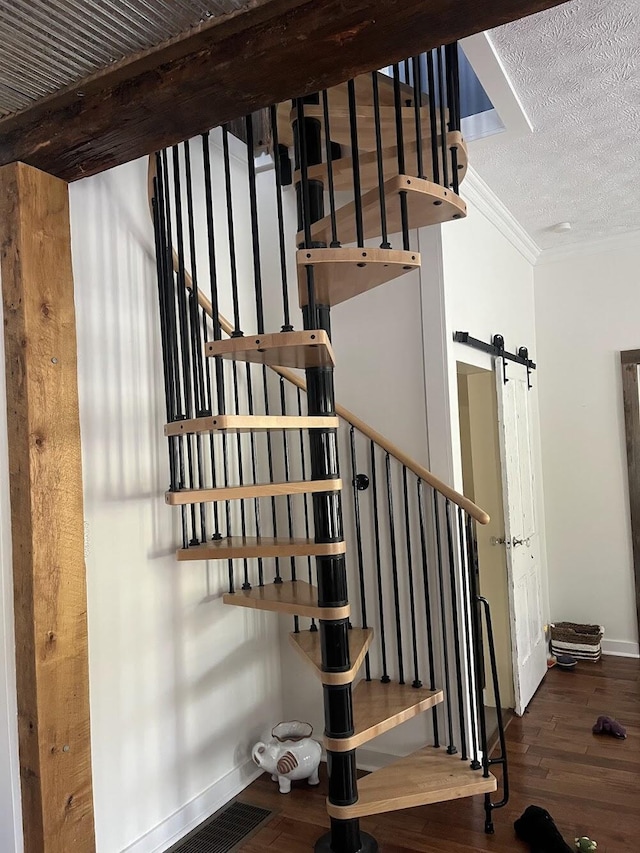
[395, 146]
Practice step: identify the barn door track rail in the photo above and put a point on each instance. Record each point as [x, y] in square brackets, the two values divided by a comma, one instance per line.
[496, 347]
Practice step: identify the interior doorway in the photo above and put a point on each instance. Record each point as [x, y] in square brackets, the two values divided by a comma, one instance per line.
[482, 479]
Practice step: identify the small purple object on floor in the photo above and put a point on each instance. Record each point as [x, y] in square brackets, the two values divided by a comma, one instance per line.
[537, 828]
[609, 726]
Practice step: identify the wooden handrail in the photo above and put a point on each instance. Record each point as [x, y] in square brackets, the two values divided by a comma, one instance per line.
[291, 376]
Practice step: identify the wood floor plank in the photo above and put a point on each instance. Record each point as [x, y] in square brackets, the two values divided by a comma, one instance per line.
[589, 784]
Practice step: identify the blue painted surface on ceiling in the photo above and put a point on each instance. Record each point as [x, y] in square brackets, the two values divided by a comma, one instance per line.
[473, 98]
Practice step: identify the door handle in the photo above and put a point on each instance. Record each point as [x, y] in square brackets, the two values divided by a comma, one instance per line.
[500, 540]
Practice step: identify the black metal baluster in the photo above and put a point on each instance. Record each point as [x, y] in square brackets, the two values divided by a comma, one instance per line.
[501, 760]
[335, 243]
[185, 337]
[397, 99]
[286, 324]
[453, 99]
[255, 233]
[237, 332]
[451, 747]
[433, 120]
[356, 504]
[475, 764]
[257, 280]
[163, 173]
[304, 204]
[243, 517]
[274, 515]
[476, 624]
[427, 604]
[313, 627]
[164, 210]
[209, 404]
[385, 244]
[215, 319]
[443, 119]
[478, 646]
[453, 84]
[211, 245]
[197, 344]
[456, 630]
[394, 568]
[417, 108]
[355, 159]
[165, 287]
[254, 471]
[376, 531]
[167, 372]
[287, 477]
[412, 602]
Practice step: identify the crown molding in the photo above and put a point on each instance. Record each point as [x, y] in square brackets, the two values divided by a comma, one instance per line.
[481, 196]
[631, 239]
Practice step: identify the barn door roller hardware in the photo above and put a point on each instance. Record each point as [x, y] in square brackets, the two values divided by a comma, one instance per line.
[496, 347]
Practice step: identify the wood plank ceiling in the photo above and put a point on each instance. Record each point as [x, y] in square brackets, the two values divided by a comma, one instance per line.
[48, 46]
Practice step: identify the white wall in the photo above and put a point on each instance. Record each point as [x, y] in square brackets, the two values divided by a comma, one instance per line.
[587, 311]
[181, 686]
[483, 286]
[379, 364]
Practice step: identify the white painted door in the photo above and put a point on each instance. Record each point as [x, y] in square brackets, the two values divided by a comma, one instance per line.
[521, 534]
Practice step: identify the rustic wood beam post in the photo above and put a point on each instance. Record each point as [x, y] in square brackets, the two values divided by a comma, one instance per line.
[47, 523]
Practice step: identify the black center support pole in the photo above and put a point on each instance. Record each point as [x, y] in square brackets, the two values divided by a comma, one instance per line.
[345, 835]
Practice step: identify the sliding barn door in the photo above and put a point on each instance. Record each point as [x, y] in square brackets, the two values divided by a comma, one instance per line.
[521, 534]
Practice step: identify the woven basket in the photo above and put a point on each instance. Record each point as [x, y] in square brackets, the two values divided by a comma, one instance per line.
[581, 641]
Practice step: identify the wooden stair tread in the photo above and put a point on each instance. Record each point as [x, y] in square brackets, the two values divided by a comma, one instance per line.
[307, 644]
[248, 547]
[294, 597]
[378, 708]
[249, 423]
[251, 490]
[368, 162]
[342, 274]
[427, 204]
[426, 776]
[279, 349]
[339, 97]
[340, 125]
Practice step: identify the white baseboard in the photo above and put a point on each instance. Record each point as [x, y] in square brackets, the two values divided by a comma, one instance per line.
[621, 648]
[195, 811]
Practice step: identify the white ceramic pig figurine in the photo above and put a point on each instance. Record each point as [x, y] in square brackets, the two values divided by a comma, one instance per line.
[290, 755]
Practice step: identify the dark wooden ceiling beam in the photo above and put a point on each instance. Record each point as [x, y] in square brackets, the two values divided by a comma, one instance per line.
[230, 66]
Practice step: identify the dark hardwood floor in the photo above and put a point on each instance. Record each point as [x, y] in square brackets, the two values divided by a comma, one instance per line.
[589, 783]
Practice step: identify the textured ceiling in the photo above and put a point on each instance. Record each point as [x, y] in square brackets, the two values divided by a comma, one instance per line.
[576, 69]
[45, 46]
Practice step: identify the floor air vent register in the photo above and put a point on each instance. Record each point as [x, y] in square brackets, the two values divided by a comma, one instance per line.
[224, 831]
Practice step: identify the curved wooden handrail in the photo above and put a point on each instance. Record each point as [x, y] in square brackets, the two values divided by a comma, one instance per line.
[291, 376]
